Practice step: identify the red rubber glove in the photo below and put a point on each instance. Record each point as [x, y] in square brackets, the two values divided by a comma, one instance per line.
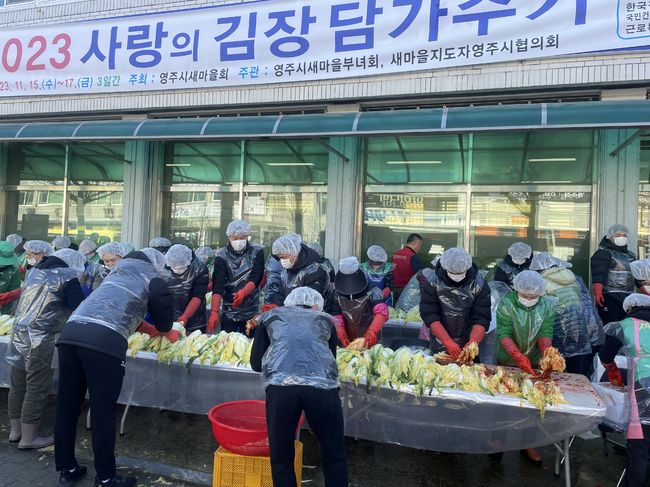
[341, 332]
[386, 292]
[213, 320]
[10, 297]
[268, 307]
[192, 307]
[453, 349]
[477, 334]
[512, 349]
[172, 335]
[210, 286]
[614, 374]
[544, 344]
[370, 337]
[598, 294]
[240, 295]
[149, 329]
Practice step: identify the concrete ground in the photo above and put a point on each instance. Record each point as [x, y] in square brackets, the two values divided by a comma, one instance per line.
[168, 448]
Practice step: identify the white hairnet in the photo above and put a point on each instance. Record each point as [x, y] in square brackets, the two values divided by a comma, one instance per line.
[128, 248]
[614, 229]
[204, 254]
[87, 246]
[114, 248]
[14, 239]
[178, 255]
[520, 250]
[238, 228]
[305, 296]
[159, 242]
[286, 244]
[529, 282]
[377, 253]
[348, 265]
[61, 242]
[156, 258]
[456, 260]
[39, 247]
[316, 246]
[545, 260]
[636, 300]
[75, 259]
[641, 269]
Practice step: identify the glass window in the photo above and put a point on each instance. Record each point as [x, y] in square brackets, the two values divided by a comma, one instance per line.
[427, 159]
[97, 164]
[40, 214]
[96, 215]
[644, 224]
[36, 164]
[533, 157]
[286, 162]
[557, 222]
[202, 163]
[390, 217]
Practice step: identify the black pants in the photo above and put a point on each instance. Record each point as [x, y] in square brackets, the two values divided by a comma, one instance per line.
[230, 325]
[578, 364]
[102, 376]
[637, 459]
[613, 310]
[284, 405]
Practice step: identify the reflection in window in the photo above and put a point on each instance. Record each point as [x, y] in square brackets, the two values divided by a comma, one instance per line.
[557, 222]
[96, 215]
[36, 164]
[202, 163]
[390, 217]
[40, 214]
[286, 162]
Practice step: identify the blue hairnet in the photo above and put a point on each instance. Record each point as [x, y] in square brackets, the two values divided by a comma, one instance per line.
[348, 265]
[61, 242]
[159, 242]
[614, 229]
[114, 248]
[204, 254]
[546, 260]
[156, 258]
[87, 246]
[178, 255]
[75, 259]
[286, 244]
[316, 246]
[520, 250]
[14, 239]
[636, 300]
[641, 269]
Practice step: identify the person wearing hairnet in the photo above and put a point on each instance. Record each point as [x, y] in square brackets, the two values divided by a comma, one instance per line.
[273, 270]
[570, 327]
[359, 309]
[238, 272]
[633, 334]
[9, 278]
[188, 284]
[611, 276]
[63, 242]
[301, 266]
[641, 272]
[455, 303]
[518, 259]
[325, 261]
[19, 249]
[92, 353]
[89, 249]
[111, 253]
[161, 244]
[525, 319]
[379, 272]
[295, 350]
[207, 256]
[35, 252]
[50, 294]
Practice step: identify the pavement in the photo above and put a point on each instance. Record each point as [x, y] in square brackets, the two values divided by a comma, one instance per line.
[164, 448]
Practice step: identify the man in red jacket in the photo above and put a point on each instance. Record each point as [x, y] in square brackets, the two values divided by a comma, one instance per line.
[406, 263]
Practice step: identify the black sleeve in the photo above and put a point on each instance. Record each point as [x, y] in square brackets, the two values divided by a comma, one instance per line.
[600, 262]
[160, 305]
[258, 269]
[482, 308]
[501, 276]
[334, 308]
[429, 303]
[219, 276]
[416, 265]
[610, 348]
[200, 284]
[334, 340]
[72, 294]
[318, 281]
[260, 344]
[389, 280]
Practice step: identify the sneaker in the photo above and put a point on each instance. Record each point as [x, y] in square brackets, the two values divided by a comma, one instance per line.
[117, 481]
[71, 477]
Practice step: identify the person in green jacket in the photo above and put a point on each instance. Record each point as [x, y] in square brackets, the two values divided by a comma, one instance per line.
[9, 278]
[525, 320]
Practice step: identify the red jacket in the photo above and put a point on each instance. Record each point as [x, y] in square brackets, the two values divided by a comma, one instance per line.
[403, 269]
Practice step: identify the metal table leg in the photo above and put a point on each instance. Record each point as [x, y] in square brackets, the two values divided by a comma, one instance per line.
[126, 411]
[563, 455]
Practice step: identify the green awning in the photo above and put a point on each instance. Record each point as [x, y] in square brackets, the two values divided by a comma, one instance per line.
[601, 114]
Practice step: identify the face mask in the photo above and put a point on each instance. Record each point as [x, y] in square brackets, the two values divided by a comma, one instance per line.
[620, 241]
[286, 263]
[238, 245]
[32, 262]
[178, 270]
[528, 303]
[518, 261]
[457, 277]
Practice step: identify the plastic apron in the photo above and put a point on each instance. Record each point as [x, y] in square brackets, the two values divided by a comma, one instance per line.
[637, 350]
[273, 278]
[456, 304]
[377, 278]
[358, 312]
[121, 302]
[510, 270]
[239, 268]
[289, 282]
[180, 286]
[40, 316]
[410, 296]
[91, 278]
[619, 278]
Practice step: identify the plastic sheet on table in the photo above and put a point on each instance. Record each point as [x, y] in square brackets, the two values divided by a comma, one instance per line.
[617, 402]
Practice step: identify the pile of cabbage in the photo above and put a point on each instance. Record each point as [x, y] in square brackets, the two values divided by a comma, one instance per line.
[6, 324]
[223, 348]
[410, 316]
[422, 375]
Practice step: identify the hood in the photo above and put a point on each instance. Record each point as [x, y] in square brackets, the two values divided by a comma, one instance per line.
[136, 254]
[640, 313]
[559, 276]
[608, 244]
[442, 274]
[51, 262]
[306, 257]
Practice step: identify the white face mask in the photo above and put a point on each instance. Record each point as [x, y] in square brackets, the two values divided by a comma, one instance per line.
[238, 245]
[518, 261]
[179, 270]
[286, 263]
[32, 262]
[457, 277]
[620, 241]
[528, 303]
